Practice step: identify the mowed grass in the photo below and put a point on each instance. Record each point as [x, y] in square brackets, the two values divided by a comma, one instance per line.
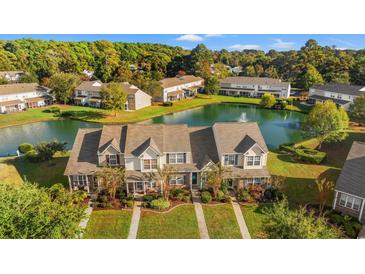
[108, 224]
[16, 170]
[179, 223]
[255, 219]
[221, 222]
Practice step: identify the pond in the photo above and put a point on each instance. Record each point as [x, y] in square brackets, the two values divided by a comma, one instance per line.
[277, 126]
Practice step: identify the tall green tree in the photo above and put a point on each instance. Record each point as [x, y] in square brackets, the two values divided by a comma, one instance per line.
[357, 109]
[212, 85]
[326, 122]
[31, 212]
[113, 97]
[63, 85]
[310, 77]
[267, 100]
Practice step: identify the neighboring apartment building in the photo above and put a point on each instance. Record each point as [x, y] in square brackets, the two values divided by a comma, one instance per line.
[350, 186]
[254, 87]
[180, 87]
[17, 97]
[88, 93]
[12, 76]
[343, 95]
[142, 149]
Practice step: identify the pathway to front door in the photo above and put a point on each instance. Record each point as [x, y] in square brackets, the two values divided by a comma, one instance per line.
[240, 220]
[203, 230]
[135, 220]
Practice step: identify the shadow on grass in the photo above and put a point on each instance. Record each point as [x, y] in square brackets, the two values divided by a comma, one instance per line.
[44, 174]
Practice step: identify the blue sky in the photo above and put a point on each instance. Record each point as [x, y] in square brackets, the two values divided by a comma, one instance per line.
[264, 42]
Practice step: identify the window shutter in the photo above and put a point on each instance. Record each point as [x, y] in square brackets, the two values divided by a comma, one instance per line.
[167, 158]
[236, 160]
[184, 157]
[107, 158]
[118, 159]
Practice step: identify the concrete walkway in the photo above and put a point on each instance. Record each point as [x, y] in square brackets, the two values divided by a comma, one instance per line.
[83, 223]
[240, 220]
[203, 230]
[135, 220]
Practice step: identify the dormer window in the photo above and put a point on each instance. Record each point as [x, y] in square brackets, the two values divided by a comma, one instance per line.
[230, 159]
[253, 160]
[112, 159]
[176, 158]
[150, 164]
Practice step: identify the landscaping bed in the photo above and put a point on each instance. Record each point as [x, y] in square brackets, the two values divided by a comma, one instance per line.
[108, 224]
[221, 222]
[179, 223]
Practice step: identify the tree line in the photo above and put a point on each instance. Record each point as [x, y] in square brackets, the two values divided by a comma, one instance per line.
[143, 64]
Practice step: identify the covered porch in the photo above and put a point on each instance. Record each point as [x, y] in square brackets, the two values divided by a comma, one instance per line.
[11, 106]
[175, 95]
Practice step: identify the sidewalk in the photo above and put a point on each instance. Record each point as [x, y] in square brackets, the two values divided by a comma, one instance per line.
[240, 220]
[83, 223]
[203, 230]
[135, 220]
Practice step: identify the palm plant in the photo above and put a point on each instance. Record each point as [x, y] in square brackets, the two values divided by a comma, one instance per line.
[165, 173]
[214, 176]
[111, 178]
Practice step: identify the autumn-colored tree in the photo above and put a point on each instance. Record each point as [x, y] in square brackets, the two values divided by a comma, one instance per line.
[324, 191]
[214, 176]
[113, 97]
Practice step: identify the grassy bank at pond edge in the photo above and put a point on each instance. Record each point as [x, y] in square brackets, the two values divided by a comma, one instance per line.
[96, 115]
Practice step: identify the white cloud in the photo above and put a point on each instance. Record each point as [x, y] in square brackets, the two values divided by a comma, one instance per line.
[190, 37]
[213, 35]
[280, 44]
[343, 42]
[243, 46]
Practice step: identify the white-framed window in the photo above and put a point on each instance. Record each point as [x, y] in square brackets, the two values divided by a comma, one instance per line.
[113, 160]
[350, 202]
[79, 181]
[230, 159]
[177, 180]
[150, 164]
[253, 160]
[139, 186]
[176, 158]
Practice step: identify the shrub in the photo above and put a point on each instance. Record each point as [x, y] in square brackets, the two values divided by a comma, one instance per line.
[167, 104]
[56, 110]
[287, 147]
[226, 199]
[256, 192]
[148, 198]
[66, 114]
[244, 196]
[310, 155]
[224, 187]
[25, 147]
[31, 156]
[220, 195]
[160, 204]
[130, 197]
[336, 219]
[206, 197]
[267, 100]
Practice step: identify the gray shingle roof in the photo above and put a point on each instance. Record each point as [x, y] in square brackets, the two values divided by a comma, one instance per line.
[232, 137]
[176, 81]
[352, 178]
[324, 98]
[20, 88]
[341, 88]
[241, 80]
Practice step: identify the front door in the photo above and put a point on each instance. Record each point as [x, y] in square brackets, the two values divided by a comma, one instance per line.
[194, 178]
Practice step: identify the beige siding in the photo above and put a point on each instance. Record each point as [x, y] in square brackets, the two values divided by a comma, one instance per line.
[142, 100]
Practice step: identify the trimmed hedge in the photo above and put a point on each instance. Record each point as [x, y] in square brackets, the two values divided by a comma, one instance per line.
[310, 155]
[206, 197]
[160, 204]
[25, 147]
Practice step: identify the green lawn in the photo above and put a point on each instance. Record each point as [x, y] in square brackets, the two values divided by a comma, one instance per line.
[109, 117]
[221, 222]
[108, 224]
[180, 223]
[16, 170]
[255, 219]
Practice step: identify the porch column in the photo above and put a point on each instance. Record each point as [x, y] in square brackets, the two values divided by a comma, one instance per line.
[144, 187]
[69, 182]
[127, 187]
[87, 184]
[335, 200]
[361, 210]
[134, 187]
